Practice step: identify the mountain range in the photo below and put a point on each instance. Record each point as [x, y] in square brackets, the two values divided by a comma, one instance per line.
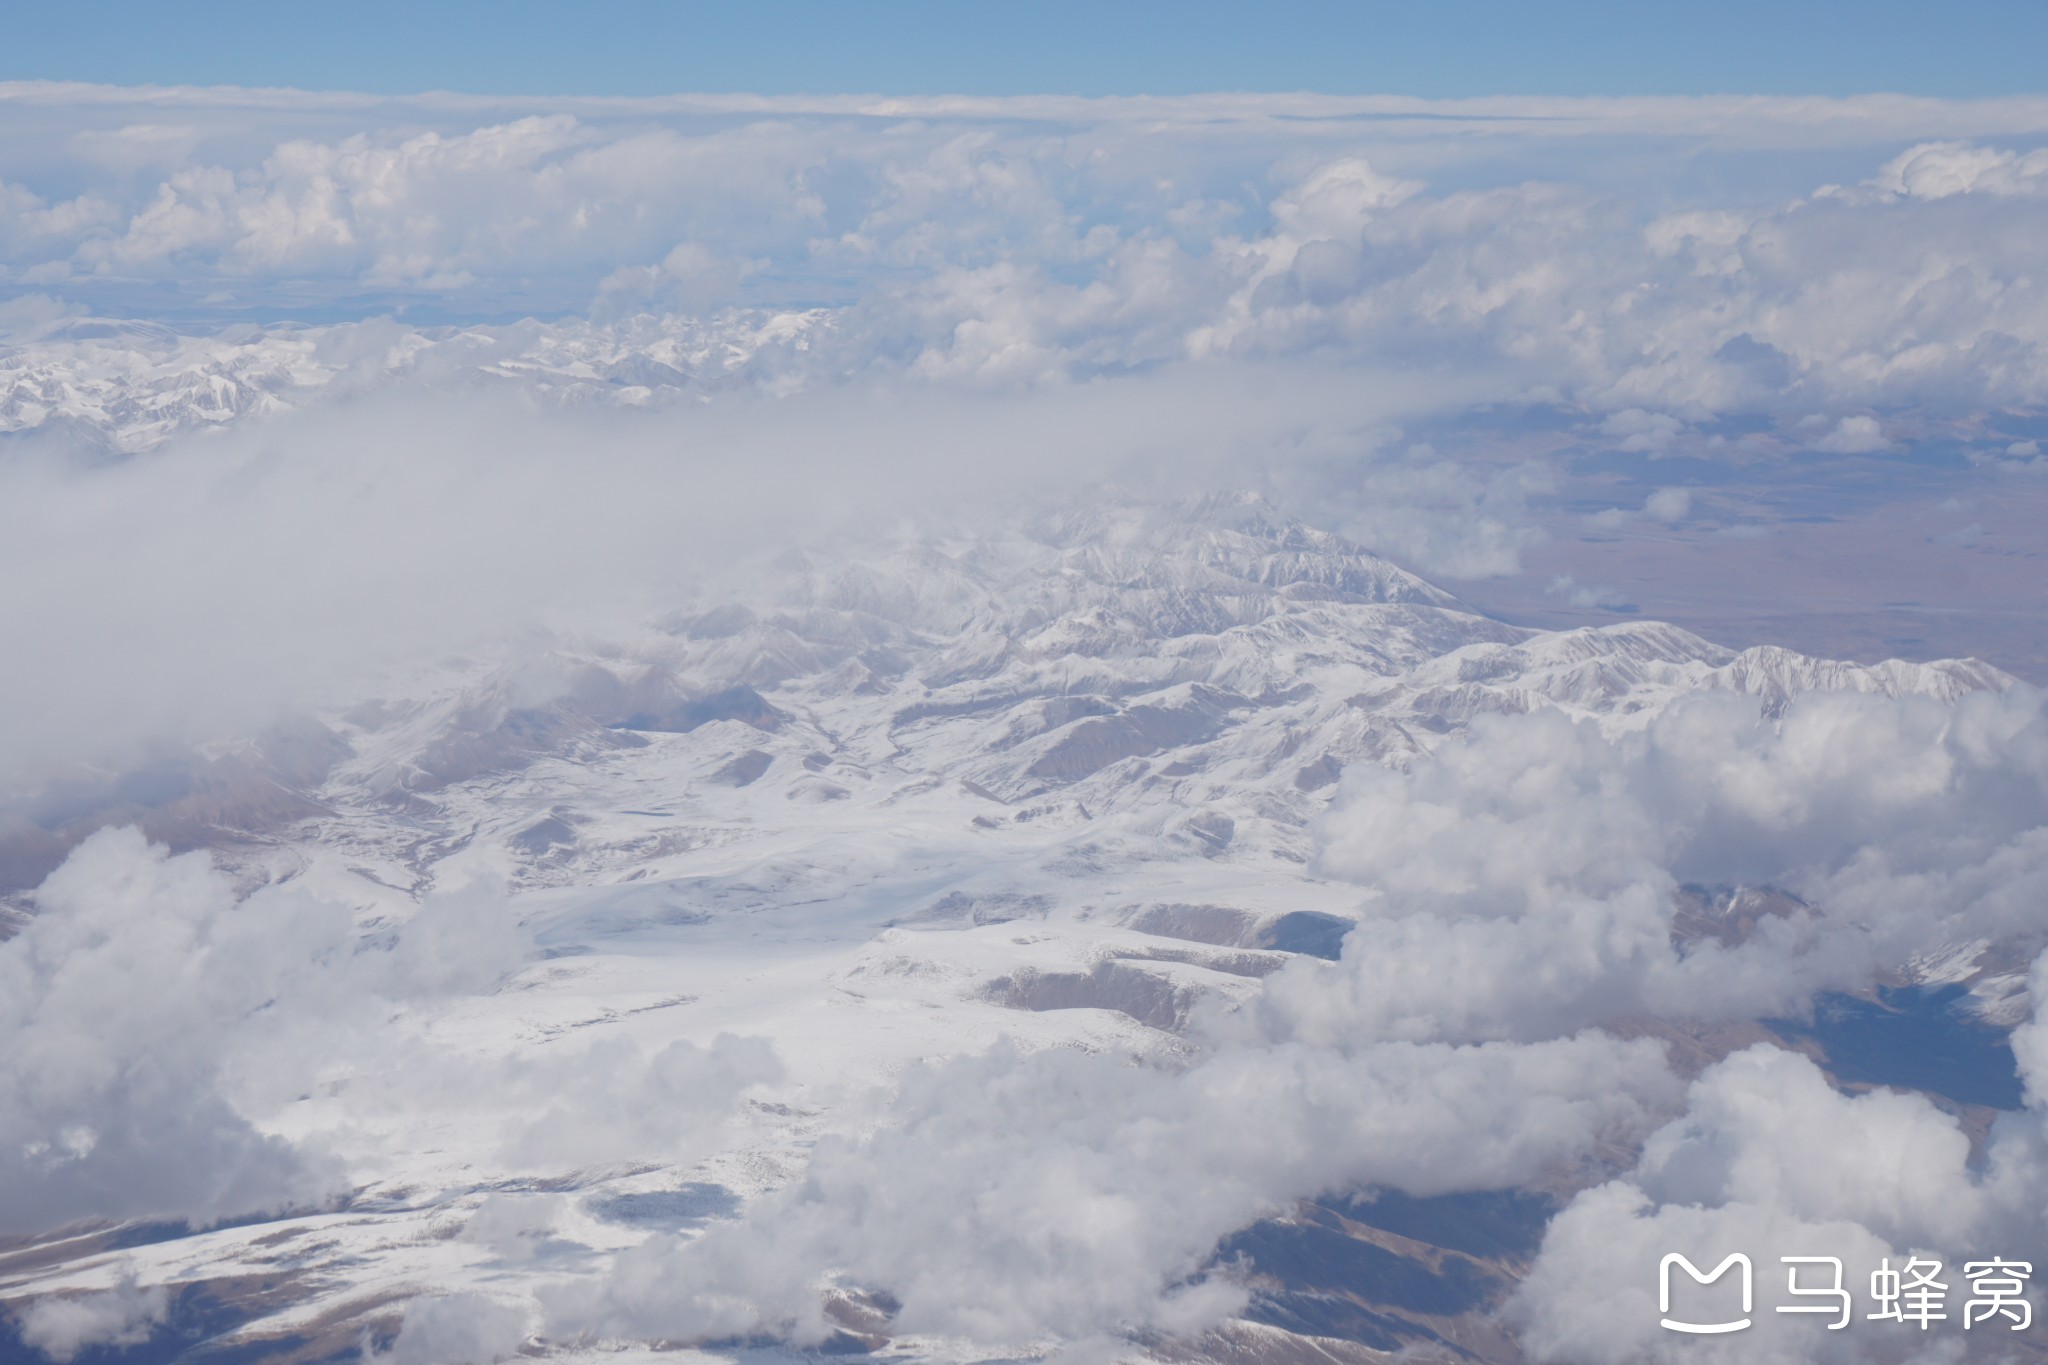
[1048, 781]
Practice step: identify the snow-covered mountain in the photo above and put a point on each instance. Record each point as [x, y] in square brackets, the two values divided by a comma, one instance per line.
[1052, 783]
[129, 386]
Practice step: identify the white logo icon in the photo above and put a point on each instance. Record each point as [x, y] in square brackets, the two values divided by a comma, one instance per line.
[1703, 1328]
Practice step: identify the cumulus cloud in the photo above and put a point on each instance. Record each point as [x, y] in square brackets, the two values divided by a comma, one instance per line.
[1668, 504]
[1079, 239]
[118, 995]
[690, 279]
[1766, 1128]
[1593, 1293]
[1537, 861]
[1595, 595]
[1642, 432]
[1854, 436]
[1770, 1160]
[156, 1021]
[62, 1326]
[1937, 170]
[456, 1329]
[1336, 201]
[1007, 1196]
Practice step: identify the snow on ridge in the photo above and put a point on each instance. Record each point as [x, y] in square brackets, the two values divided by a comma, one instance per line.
[1130, 688]
[1108, 656]
[131, 386]
[1778, 674]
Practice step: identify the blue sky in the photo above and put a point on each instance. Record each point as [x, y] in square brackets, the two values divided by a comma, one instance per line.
[639, 47]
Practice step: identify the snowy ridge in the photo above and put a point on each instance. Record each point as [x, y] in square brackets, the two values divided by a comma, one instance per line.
[130, 386]
[1221, 663]
[1122, 659]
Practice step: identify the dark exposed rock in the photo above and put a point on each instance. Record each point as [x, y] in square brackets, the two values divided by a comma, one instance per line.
[1218, 924]
[1308, 932]
[741, 703]
[1148, 997]
[544, 834]
[743, 770]
[1500, 1224]
[1727, 914]
[1090, 745]
[959, 908]
[1315, 776]
[1323, 1274]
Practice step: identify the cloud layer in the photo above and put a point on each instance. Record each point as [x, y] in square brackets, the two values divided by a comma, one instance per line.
[157, 1022]
[1021, 242]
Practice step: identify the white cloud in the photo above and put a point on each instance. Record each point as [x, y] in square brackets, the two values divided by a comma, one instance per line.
[154, 1022]
[1592, 594]
[1713, 236]
[1642, 432]
[1084, 238]
[117, 998]
[1592, 1294]
[1664, 505]
[1854, 436]
[1338, 200]
[1937, 170]
[62, 1326]
[1537, 860]
[1668, 504]
[1772, 1161]
[690, 279]
[1536, 863]
[1008, 1196]
[456, 1329]
[1766, 1128]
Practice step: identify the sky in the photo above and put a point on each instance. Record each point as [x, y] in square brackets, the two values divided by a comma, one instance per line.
[637, 47]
